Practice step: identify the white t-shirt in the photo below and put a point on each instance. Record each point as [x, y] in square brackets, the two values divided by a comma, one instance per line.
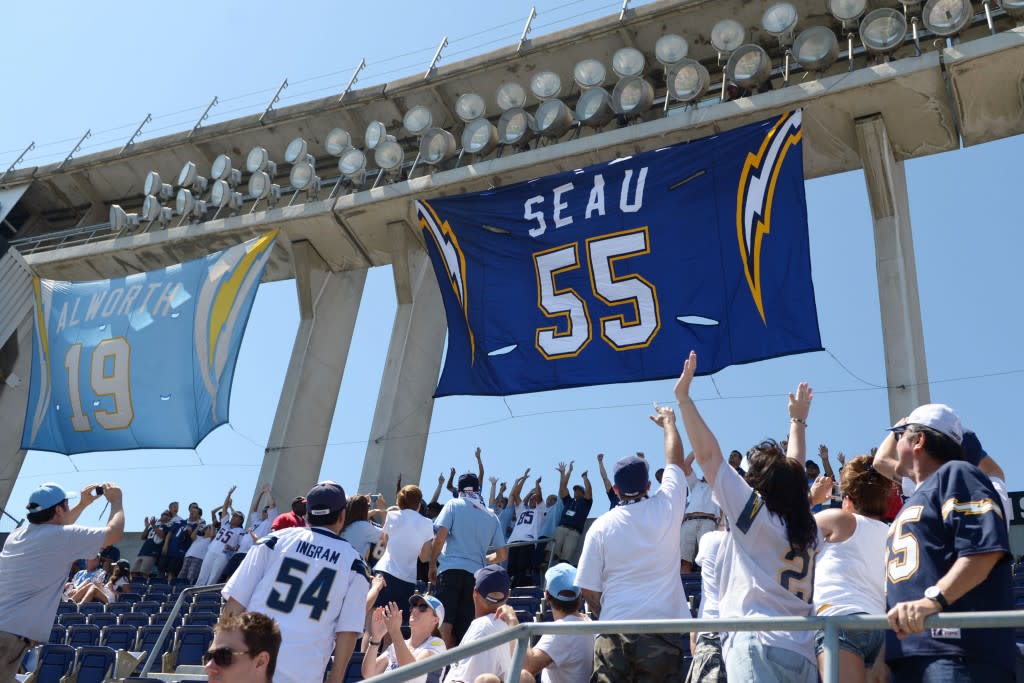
[432, 644]
[850, 575]
[698, 499]
[631, 555]
[33, 568]
[497, 660]
[407, 531]
[314, 585]
[528, 523]
[361, 535]
[708, 548]
[198, 547]
[761, 575]
[572, 657]
[259, 529]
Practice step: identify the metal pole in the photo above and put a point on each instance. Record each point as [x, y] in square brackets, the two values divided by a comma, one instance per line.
[436, 58]
[831, 652]
[88, 134]
[625, 8]
[526, 29]
[169, 624]
[31, 146]
[274, 100]
[352, 81]
[206, 113]
[131, 140]
[522, 644]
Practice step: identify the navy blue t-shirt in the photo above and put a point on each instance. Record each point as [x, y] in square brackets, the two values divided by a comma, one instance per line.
[955, 513]
[181, 538]
[574, 512]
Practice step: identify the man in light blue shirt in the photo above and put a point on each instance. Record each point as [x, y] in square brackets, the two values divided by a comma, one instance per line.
[464, 532]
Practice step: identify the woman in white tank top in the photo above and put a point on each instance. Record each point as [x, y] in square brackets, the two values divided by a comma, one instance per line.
[850, 575]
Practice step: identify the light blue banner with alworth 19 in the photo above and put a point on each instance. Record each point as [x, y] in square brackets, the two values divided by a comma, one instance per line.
[143, 361]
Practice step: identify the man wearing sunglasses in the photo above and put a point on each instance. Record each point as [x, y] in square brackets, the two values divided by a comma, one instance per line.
[244, 649]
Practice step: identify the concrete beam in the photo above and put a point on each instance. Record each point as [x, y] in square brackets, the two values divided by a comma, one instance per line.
[298, 439]
[307, 260]
[13, 403]
[398, 437]
[906, 368]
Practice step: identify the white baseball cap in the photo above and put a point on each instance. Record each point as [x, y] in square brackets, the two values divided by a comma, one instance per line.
[937, 416]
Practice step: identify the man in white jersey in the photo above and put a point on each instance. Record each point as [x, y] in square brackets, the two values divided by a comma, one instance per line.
[701, 515]
[529, 519]
[313, 583]
[707, 665]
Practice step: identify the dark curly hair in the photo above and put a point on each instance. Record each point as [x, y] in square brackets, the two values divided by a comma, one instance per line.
[866, 488]
[782, 484]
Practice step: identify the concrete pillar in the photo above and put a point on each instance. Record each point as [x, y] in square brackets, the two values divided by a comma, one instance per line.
[328, 304]
[398, 437]
[13, 403]
[906, 369]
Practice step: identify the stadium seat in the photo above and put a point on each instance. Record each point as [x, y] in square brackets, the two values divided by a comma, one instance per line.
[179, 581]
[133, 619]
[201, 618]
[116, 608]
[67, 606]
[162, 618]
[54, 662]
[532, 591]
[146, 607]
[91, 607]
[190, 642]
[354, 672]
[81, 635]
[71, 618]
[93, 664]
[146, 638]
[129, 597]
[524, 616]
[58, 634]
[158, 581]
[102, 619]
[209, 597]
[118, 637]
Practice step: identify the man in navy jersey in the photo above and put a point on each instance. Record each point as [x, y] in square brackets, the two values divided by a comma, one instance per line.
[947, 550]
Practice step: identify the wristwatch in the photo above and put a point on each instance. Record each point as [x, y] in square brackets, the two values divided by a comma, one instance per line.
[933, 593]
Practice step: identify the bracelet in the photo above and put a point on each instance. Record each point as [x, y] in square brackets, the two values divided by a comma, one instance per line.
[375, 643]
[798, 421]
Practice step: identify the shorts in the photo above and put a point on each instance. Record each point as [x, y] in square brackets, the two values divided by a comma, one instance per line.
[707, 665]
[689, 536]
[144, 564]
[567, 542]
[190, 568]
[170, 565]
[455, 591]
[864, 644]
[748, 659]
[397, 591]
[638, 657]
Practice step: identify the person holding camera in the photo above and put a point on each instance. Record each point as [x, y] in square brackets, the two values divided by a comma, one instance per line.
[34, 562]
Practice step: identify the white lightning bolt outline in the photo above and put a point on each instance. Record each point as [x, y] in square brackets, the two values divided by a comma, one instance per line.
[758, 185]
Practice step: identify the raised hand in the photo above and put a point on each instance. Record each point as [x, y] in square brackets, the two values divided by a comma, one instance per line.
[600, 457]
[493, 480]
[393, 618]
[664, 416]
[452, 473]
[682, 388]
[584, 475]
[477, 452]
[842, 459]
[800, 403]
[823, 452]
[502, 487]
[561, 468]
[378, 625]
[821, 489]
[440, 478]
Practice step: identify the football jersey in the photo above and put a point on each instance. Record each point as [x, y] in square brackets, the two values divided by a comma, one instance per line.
[528, 523]
[954, 513]
[314, 585]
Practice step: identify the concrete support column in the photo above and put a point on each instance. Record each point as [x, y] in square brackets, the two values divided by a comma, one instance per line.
[328, 304]
[13, 403]
[398, 437]
[906, 369]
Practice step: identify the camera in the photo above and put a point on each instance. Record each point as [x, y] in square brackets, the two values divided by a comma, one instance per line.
[98, 490]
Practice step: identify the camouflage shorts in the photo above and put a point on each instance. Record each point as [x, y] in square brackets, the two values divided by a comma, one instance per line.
[707, 665]
[638, 658]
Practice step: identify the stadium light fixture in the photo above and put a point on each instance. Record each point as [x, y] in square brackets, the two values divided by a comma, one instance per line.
[479, 137]
[221, 170]
[847, 11]
[882, 31]
[262, 186]
[187, 206]
[780, 20]
[258, 160]
[726, 36]
[338, 141]
[155, 186]
[510, 95]
[553, 118]
[190, 179]
[671, 49]
[436, 146]
[749, 66]
[302, 176]
[947, 18]
[515, 126]
[594, 107]
[152, 211]
[120, 220]
[296, 151]
[1015, 8]
[417, 120]
[589, 73]
[375, 134]
[352, 163]
[388, 155]
[470, 107]
[222, 194]
[628, 61]
[816, 48]
[632, 96]
[546, 85]
[688, 80]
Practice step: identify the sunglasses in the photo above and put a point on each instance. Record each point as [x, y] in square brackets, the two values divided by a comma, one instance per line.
[422, 607]
[222, 656]
[899, 434]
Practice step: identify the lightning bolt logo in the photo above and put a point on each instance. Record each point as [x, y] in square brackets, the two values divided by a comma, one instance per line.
[755, 195]
[454, 261]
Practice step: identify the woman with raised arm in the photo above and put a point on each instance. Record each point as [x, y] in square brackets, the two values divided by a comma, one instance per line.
[768, 558]
[425, 616]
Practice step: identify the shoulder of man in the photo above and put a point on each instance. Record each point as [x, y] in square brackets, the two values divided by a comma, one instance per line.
[359, 567]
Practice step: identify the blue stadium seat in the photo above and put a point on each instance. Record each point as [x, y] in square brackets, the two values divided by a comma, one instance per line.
[161, 618]
[159, 581]
[116, 608]
[81, 635]
[67, 606]
[133, 619]
[146, 607]
[354, 672]
[58, 634]
[55, 662]
[118, 637]
[180, 581]
[209, 597]
[91, 607]
[532, 591]
[93, 664]
[71, 618]
[129, 597]
[102, 619]
[201, 618]
[190, 642]
[146, 638]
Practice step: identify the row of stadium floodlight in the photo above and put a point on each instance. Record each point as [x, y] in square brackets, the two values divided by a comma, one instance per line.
[747, 66]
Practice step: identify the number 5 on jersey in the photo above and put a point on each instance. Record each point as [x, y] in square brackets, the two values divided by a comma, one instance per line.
[293, 575]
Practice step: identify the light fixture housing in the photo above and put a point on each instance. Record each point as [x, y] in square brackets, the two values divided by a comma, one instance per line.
[189, 177]
[261, 186]
[417, 120]
[628, 61]
[436, 146]
[258, 159]
[470, 106]
[352, 163]
[296, 150]
[375, 134]
[155, 186]
[1015, 8]
[337, 142]
[727, 35]
[302, 176]
[479, 137]
[221, 169]
[816, 48]
[779, 20]
[671, 49]
[749, 66]
[515, 126]
[589, 73]
[594, 107]
[388, 155]
[947, 18]
[847, 11]
[186, 205]
[882, 30]
[688, 80]
[632, 96]
[510, 95]
[150, 208]
[120, 219]
[222, 194]
[546, 85]
[553, 118]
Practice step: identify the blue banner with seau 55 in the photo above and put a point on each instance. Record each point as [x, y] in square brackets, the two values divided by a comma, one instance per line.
[143, 361]
[612, 273]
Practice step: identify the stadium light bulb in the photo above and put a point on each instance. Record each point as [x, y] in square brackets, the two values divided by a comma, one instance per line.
[155, 186]
[220, 193]
[470, 107]
[337, 141]
[546, 85]
[589, 73]
[296, 150]
[947, 17]
[510, 95]
[437, 145]
[259, 185]
[258, 159]
[189, 177]
[671, 49]
[375, 134]
[688, 80]
[1015, 8]
[479, 137]
[628, 61]
[632, 96]
[515, 126]
[727, 35]
[303, 176]
[749, 66]
[883, 30]
[816, 48]
[594, 107]
[221, 170]
[352, 163]
[388, 155]
[151, 208]
[120, 219]
[780, 19]
[847, 10]
[553, 118]
[417, 119]
[184, 202]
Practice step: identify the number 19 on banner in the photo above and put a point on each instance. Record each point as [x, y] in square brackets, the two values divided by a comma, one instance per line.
[109, 375]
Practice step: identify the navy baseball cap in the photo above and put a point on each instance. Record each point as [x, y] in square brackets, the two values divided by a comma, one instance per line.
[48, 495]
[632, 475]
[325, 498]
[560, 582]
[973, 451]
[469, 481]
[492, 583]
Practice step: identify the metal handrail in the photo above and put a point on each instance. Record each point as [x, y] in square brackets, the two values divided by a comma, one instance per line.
[831, 626]
[169, 624]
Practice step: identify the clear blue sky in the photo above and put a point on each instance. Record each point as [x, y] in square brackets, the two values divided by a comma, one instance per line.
[104, 67]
